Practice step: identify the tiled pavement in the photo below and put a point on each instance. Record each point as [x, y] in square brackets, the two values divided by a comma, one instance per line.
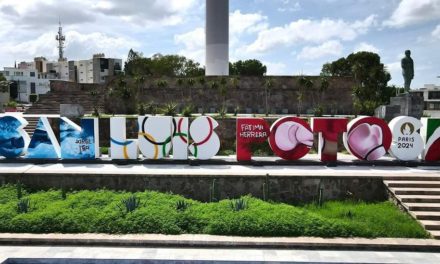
[197, 255]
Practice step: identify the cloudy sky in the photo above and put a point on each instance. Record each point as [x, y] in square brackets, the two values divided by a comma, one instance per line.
[289, 36]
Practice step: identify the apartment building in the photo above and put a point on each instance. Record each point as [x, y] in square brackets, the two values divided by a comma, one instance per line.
[34, 77]
[431, 98]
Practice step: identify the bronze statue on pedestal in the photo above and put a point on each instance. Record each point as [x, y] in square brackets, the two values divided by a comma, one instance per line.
[408, 70]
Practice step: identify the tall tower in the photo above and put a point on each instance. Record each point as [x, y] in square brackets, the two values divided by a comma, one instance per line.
[60, 38]
[217, 37]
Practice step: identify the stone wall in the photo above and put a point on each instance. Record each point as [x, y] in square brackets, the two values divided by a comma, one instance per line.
[293, 190]
[66, 86]
[248, 94]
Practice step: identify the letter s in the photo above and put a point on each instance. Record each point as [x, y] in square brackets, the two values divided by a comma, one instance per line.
[206, 142]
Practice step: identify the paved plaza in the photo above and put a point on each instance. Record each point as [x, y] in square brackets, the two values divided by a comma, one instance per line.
[226, 165]
[199, 255]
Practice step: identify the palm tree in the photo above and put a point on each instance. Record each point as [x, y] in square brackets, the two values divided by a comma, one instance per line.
[191, 82]
[268, 85]
[307, 83]
[139, 80]
[300, 98]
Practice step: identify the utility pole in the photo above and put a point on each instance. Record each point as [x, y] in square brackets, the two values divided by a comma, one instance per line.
[60, 38]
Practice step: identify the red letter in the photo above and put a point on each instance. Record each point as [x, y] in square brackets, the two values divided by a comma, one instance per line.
[291, 138]
[329, 129]
[250, 131]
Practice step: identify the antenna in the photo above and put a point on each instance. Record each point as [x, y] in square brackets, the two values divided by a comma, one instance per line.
[60, 38]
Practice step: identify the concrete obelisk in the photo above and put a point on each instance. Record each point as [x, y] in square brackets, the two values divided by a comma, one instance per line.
[217, 37]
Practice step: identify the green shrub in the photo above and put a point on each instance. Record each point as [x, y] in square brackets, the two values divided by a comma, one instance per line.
[238, 205]
[188, 111]
[182, 205]
[33, 98]
[94, 212]
[104, 150]
[214, 85]
[162, 83]
[169, 109]
[151, 108]
[23, 206]
[222, 112]
[129, 204]
[142, 109]
[11, 104]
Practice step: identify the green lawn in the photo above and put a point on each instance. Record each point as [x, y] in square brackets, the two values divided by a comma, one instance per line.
[104, 212]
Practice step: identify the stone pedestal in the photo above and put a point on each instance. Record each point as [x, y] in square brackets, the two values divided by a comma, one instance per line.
[71, 110]
[402, 105]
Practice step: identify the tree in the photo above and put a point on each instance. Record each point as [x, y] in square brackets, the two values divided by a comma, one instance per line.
[371, 79]
[162, 65]
[268, 85]
[340, 68]
[247, 68]
[4, 84]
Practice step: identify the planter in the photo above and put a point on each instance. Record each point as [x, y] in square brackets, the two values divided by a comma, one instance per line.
[10, 109]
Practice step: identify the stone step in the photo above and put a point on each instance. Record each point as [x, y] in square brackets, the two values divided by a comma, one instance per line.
[430, 207]
[426, 215]
[419, 198]
[430, 224]
[412, 178]
[435, 234]
[413, 184]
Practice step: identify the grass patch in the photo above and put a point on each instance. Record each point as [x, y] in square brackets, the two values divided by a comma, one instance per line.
[56, 211]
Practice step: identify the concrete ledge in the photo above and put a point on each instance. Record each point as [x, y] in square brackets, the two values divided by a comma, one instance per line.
[208, 241]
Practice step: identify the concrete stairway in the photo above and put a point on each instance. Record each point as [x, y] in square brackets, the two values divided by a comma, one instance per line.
[50, 103]
[421, 198]
[32, 124]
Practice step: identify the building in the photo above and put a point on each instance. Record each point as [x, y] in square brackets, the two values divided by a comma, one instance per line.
[96, 70]
[431, 98]
[34, 77]
[26, 81]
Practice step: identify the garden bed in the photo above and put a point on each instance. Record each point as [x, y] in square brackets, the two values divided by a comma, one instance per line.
[104, 211]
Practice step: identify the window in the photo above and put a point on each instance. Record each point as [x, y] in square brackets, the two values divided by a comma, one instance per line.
[434, 106]
[6, 73]
[32, 74]
[434, 95]
[32, 87]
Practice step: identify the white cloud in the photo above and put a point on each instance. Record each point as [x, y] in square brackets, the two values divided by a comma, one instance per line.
[276, 68]
[288, 7]
[411, 12]
[363, 46]
[78, 46]
[393, 67]
[41, 13]
[28, 27]
[436, 32]
[194, 44]
[329, 48]
[306, 30]
[251, 22]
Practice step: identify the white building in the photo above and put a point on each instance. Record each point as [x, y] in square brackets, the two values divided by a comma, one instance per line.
[96, 70]
[431, 96]
[26, 81]
[34, 77]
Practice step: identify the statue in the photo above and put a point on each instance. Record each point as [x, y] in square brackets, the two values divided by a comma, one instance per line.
[408, 70]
